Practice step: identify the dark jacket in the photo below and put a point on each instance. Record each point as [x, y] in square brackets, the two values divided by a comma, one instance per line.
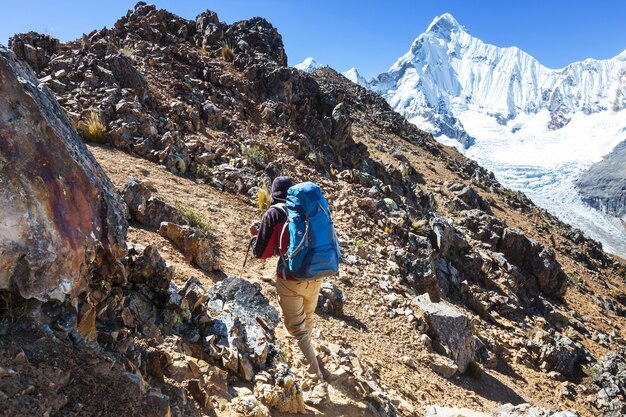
[267, 242]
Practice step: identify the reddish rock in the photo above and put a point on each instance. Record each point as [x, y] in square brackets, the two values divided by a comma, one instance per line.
[62, 219]
[194, 244]
[87, 323]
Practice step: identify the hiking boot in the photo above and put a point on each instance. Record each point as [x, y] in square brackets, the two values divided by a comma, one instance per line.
[323, 370]
[318, 395]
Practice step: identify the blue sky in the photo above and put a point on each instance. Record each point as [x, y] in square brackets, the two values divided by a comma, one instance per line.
[369, 35]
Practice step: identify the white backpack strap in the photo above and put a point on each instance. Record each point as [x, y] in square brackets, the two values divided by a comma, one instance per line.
[282, 207]
[280, 249]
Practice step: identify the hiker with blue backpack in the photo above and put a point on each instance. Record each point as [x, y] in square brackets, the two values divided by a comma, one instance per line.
[297, 227]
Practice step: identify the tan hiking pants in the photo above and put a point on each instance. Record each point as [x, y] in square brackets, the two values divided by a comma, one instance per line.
[298, 300]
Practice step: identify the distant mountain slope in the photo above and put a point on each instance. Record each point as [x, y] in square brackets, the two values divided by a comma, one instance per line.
[603, 185]
[536, 128]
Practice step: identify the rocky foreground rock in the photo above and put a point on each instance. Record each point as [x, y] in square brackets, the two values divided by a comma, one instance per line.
[62, 220]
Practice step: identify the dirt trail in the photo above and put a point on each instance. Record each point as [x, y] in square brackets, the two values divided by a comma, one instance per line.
[229, 217]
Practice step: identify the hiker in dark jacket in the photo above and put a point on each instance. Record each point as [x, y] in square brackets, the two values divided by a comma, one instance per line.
[297, 299]
[266, 237]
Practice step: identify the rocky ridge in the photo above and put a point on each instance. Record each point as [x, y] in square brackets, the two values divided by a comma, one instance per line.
[215, 106]
[603, 187]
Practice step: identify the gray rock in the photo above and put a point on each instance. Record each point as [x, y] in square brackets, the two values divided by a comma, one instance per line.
[563, 355]
[467, 198]
[537, 262]
[127, 75]
[443, 366]
[331, 299]
[147, 209]
[450, 330]
[146, 266]
[242, 325]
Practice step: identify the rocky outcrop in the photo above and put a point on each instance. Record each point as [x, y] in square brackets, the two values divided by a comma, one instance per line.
[194, 244]
[62, 219]
[603, 185]
[609, 383]
[242, 327]
[147, 209]
[536, 261]
[34, 48]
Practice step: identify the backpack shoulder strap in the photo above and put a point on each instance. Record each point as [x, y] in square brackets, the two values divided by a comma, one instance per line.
[281, 206]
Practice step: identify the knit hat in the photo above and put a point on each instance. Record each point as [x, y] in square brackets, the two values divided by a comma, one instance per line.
[279, 189]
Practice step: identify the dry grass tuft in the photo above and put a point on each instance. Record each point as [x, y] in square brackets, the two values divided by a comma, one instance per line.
[420, 227]
[13, 308]
[94, 129]
[228, 53]
[263, 198]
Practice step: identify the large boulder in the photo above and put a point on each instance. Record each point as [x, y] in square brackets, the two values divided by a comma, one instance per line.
[450, 329]
[537, 262]
[241, 327]
[62, 219]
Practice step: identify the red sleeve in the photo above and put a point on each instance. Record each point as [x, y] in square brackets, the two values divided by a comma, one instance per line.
[265, 243]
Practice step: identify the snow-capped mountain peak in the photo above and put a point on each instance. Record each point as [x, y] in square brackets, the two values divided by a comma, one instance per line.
[447, 71]
[444, 25]
[353, 75]
[308, 65]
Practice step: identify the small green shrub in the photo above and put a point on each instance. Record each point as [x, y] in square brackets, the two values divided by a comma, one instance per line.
[358, 244]
[574, 279]
[176, 318]
[255, 155]
[196, 219]
[203, 170]
[593, 371]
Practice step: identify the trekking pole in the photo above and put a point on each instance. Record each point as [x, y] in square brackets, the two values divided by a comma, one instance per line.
[245, 259]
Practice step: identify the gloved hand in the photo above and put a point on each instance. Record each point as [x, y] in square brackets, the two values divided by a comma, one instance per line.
[254, 228]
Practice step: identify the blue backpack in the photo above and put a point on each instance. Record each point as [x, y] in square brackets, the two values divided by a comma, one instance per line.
[313, 245]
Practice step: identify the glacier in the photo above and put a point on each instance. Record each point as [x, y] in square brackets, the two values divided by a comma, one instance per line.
[536, 128]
